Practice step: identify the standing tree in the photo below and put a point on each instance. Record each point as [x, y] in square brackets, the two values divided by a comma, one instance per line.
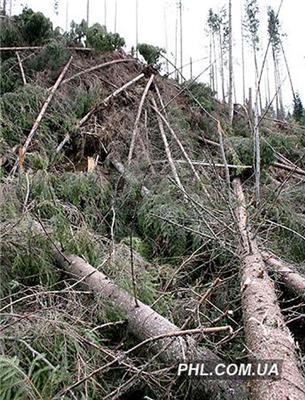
[252, 27]
[181, 36]
[243, 60]
[230, 64]
[213, 30]
[298, 109]
[275, 40]
[219, 27]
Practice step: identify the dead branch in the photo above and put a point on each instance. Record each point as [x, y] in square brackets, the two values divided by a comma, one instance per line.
[267, 336]
[21, 68]
[108, 98]
[166, 147]
[207, 164]
[292, 278]
[99, 66]
[135, 129]
[295, 170]
[21, 48]
[41, 113]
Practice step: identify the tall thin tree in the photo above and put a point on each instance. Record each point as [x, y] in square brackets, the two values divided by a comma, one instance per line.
[230, 63]
[137, 27]
[181, 36]
[252, 25]
[115, 16]
[243, 60]
[88, 10]
[275, 40]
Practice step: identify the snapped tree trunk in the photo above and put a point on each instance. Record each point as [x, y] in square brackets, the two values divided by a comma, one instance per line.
[145, 323]
[267, 336]
[290, 277]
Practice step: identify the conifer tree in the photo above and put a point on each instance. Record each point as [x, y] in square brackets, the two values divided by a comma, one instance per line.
[252, 28]
[275, 40]
[298, 109]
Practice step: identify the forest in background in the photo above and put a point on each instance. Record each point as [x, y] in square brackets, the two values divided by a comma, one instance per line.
[144, 220]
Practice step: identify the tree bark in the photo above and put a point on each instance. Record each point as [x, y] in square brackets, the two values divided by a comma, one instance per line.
[290, 277]
[267, 336]
[145, 323]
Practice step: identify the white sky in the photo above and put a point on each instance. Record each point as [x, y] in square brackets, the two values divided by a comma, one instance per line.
[152, 30]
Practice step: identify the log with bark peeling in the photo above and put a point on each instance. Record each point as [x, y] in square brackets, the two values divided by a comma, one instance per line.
[290, 277]
[171, 345]
[267, 336]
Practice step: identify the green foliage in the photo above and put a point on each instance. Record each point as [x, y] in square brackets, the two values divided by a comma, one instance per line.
[101, 40]
[151, 54]
[34, 27]
[288, 231]
[52, 57]
[252, 21]
[76, 33]
[10, 77]
[274, 29]
[20, 109]
[243, 148]
[203, 93]
[298, 110]
[154, 220]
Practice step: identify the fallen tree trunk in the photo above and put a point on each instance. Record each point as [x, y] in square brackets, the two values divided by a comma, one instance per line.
[146, 324]
[294, 170]
[266, 334]
[43, 110]
[290, 277]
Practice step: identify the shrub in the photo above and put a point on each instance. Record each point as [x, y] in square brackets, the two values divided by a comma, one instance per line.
[151, 54]
[52, 57]
[34, 27]
[203, 93]
[98, 38]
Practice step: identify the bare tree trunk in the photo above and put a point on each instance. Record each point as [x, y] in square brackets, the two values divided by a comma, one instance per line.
[222, 70]
[146, 324]
[41, 114]
[135, 129]
[268, 83]
[21, 68]
[166, 38]
[115, 15]
[257, 152]
[243, 61]
[67, 15]
[267, 336]
[292, 279]
[277, 103]
[288, 70]
[167, 149]
[250, 105]
[88, 8]
[215, 65]
[230, 64]
[105, 13]
[257, 82]
[176, 45]
[181, 37]
[137, 27]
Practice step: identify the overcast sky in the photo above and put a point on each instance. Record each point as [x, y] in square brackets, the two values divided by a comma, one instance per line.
[159, 16]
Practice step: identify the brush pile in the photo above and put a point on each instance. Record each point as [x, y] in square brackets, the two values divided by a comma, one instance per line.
[132, 172]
